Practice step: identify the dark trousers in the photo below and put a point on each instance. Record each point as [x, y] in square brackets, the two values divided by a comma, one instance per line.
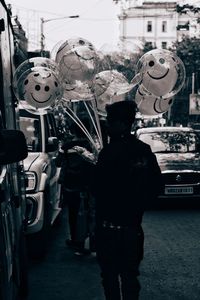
[119, 253]
[72, 201]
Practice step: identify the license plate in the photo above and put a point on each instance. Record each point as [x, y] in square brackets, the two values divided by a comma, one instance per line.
[178, 190]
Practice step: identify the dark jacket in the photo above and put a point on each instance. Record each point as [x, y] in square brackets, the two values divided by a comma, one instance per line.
[76, 165]
[126, 179]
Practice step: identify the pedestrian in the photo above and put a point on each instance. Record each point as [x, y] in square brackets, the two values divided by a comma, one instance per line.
[126, 179]
[76, 162]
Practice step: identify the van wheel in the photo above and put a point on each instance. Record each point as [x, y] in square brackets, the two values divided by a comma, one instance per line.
[38, 242]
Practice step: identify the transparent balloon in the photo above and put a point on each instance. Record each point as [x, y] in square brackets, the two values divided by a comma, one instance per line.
[104, 61]
[125, 47]
[32, 63]
[79, 64]
[162, 72]
[150, 105]
[78, 91]
[130, 47]
[55, 50]
[109, 86]
[105, 99]
[36, 84]
[70, 44]
[121, 52]
[110, 82]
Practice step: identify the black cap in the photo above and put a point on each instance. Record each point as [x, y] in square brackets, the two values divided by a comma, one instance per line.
[123, 110]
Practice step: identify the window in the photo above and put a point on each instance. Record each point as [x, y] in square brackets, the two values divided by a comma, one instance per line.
[31, 127]
[164, 26]
[31, 130]
[183, 27]
[149, 44]
[180, 142]
[164, 45]
[149, 26]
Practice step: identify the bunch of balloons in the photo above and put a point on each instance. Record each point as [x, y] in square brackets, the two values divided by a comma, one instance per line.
[75, 76]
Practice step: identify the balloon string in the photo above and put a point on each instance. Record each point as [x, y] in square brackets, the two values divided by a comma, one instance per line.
[97, 125]
[78, 121]
[74, 117]
[136, 80]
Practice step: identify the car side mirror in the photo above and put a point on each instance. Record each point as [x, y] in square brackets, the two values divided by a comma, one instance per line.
[52, 144]
[13, 147]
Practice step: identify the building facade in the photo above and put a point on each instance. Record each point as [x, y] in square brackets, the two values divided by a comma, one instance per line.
[158, 23]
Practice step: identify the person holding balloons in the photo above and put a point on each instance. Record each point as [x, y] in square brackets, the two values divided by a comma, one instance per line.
[126, 179]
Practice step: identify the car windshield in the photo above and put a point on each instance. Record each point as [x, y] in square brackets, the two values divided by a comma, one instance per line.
[30, 126]
[162, 142]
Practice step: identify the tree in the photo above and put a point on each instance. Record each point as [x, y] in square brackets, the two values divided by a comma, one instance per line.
[188, 50]
[184, 9]
[148, 47]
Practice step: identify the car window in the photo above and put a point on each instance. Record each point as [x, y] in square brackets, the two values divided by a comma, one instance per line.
[51, 125]
[50, 130]
[170, 141]
[30, 125]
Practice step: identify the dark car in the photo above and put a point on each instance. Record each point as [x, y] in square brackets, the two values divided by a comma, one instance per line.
[177, 152]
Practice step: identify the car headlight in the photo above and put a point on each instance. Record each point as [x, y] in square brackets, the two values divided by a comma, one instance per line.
[31, 181]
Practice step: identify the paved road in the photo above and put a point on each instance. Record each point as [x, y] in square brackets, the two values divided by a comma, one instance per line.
[169, 271]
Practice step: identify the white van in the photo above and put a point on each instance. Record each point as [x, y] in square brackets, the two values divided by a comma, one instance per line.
[43, 189]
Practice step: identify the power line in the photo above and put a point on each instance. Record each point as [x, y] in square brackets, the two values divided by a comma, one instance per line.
[30, 19]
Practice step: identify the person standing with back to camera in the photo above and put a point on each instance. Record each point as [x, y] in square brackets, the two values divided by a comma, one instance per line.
[76, 162]
[126, 179]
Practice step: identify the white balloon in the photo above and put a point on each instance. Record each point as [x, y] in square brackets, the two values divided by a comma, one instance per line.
[70, 44]
[37, 84]
[40, 88]
[149, 104]
[162, 72]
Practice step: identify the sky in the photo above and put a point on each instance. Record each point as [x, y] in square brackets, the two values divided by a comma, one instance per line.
[97, 22]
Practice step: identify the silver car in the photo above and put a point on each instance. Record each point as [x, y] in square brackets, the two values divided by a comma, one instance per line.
[43, 188]
[177, 152]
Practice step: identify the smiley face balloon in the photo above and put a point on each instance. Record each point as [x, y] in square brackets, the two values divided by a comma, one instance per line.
[150, 105]
[78, 61]
[70, 44]
[40, 88]
[36, 82]
[162, 72]
[109, 86]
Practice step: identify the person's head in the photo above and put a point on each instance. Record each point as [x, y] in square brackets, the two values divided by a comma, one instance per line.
[120, 117]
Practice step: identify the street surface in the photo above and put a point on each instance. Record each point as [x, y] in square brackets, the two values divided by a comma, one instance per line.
[170, 269]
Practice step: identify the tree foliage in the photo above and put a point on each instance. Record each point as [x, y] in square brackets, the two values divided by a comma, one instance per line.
[184, 9]
[189, 52]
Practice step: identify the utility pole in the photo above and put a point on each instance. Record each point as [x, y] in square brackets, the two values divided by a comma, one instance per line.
[42, 36]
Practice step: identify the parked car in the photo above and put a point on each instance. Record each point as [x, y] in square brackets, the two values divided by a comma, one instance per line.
[177, 152]
[43, 189]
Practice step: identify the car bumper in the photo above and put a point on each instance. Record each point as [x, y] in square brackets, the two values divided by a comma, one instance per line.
[179, 196]
[35, 212]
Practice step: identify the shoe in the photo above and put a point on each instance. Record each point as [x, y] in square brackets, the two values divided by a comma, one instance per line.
[82, 252]
[70, 243]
